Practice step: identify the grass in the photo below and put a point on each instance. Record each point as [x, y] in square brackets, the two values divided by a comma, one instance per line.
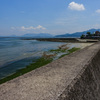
[39, 62]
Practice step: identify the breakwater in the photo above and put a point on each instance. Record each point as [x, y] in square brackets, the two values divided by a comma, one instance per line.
[73, 77]
[68, 40]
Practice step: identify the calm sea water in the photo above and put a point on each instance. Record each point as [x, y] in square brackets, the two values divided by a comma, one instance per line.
[16, 53]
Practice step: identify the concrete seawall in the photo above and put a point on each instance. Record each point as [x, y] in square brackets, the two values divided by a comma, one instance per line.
[73, 77]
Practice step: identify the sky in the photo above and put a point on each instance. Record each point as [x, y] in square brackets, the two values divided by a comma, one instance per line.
[18, 17]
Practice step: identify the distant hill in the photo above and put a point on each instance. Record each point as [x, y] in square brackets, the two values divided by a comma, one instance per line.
[47, 35]
[40, 35]
[33, 35]
[77, 34]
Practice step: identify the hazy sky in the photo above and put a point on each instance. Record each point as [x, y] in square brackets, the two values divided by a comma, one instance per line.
[18, 17]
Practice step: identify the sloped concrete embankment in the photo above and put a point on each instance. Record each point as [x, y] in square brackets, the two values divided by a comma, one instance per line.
[73, 77]
[86, 86]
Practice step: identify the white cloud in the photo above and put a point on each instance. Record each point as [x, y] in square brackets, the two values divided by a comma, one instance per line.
[76, 6]
[23, 28]
[28, 28]
[33, 28]
[98, 11]
[40, 27]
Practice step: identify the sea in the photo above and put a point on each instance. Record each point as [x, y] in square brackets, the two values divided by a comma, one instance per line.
[17, 53]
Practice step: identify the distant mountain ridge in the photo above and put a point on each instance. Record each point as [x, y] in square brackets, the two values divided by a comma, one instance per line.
[40, 35]
[33, 35]
[77, 34]
[47, 35]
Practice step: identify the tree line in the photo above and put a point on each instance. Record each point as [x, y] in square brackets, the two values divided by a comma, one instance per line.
[90, 35]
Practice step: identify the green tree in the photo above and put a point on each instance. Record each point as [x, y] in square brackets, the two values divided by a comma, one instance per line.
[82, 36]
[88, 33]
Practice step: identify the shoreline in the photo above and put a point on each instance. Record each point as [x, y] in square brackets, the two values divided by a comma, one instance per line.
[68, 40]
[34, 65]
[56, 51]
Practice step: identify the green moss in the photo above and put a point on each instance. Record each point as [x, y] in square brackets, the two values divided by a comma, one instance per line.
[73, 49]
[63, 55]
[39, 62]
[70, 51]
[57, 50]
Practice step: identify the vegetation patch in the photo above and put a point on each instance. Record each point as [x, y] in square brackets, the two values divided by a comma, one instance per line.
[70, 51]
[39, 62]
[57, 50]
[63, 55]
[73, 49]
[62, 48]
